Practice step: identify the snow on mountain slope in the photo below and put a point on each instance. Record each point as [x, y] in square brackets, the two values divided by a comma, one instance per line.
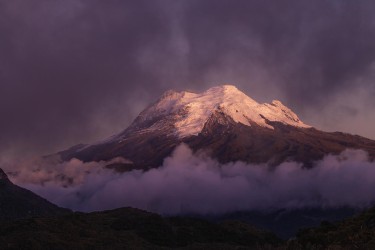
[184, 114]
[191, 110]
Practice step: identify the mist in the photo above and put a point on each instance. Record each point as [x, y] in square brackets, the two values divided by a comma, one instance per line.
[194, 183]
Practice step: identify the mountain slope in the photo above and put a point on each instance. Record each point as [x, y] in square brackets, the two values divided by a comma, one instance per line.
[17, 202]
[224, 123]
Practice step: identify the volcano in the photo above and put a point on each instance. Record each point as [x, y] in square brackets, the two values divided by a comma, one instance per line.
[224, 123]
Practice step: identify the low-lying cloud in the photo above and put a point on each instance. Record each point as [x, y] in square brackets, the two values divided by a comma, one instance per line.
[192, 183]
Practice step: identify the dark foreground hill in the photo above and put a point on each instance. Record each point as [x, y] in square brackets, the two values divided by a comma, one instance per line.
[129, 228]
[354, 233]
[17, 202]
[285, 223]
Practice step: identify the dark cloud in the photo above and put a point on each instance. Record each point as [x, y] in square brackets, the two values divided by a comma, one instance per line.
[70, 68]
[311, 49]
[77, 71]
[202, 185]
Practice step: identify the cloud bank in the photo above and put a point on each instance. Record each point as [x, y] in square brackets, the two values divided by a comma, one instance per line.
[191, 183]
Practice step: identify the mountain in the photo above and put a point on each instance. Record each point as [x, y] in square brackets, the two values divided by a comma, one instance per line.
[17, 202]
[223, 122]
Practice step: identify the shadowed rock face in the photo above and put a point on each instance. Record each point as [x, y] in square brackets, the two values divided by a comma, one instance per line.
[17, 202]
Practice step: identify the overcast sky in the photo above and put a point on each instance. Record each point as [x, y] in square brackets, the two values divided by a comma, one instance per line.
[76, 71]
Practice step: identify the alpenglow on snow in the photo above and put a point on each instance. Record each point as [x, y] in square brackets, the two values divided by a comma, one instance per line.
[192, 110]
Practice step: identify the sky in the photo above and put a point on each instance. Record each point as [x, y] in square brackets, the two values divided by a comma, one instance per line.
[75, 71]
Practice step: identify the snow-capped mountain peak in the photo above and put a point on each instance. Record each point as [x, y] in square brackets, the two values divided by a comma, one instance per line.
[192, 110]
[222, 122]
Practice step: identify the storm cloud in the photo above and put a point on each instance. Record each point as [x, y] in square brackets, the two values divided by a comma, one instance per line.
[195, 183]
[79, 70]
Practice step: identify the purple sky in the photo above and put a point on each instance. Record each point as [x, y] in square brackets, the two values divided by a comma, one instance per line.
[76, 71]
